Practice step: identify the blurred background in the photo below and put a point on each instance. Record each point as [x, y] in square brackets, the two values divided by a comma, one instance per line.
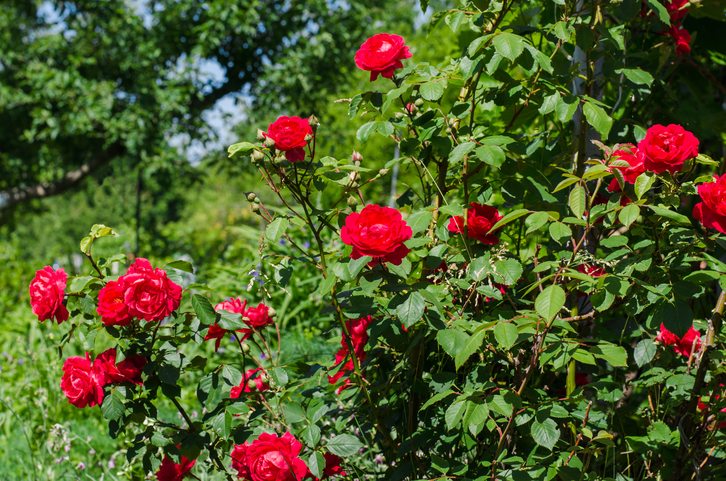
[119, 112]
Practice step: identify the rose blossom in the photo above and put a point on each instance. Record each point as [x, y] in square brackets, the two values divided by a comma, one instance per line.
[128, 370]
[47, 290]
[682, 38]
[379, 232]
[149, 293]
[252, 380]
[332, 467]
[171, 471]
[630, 154]
[382, 54]
[290, 135]
[702, 406]
[111, 306]
[81, 384]
[269, 458]
[676, 10]
[591, 270]
[480, 219]
[666, 148]
[690, 342]
[711, 211]
[358, 330]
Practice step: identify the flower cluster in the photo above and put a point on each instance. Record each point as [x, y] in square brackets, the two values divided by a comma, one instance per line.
[83, 379]
[685, 346]
[357, 329]
[255, 317]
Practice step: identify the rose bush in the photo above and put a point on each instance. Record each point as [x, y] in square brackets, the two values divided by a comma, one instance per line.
[543, 300]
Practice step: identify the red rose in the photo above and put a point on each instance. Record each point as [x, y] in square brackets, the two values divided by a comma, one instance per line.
[677, 10]
[290, 136]
[480, 219]
[634, 158]
[217, 333]
[382, 54]
[149, 293]
[682, 39]
[128, 370]
[257, 317]
[269, 458]
[702, 406]
[235, 305]
[332, 467]
[252, 380]
[666, 148]
[590, 270]
[47, 290]
[379, 232]
[111, 306]
[171, 471]
[358, 330]
[690, 342]
[711, 211]
[81, 383]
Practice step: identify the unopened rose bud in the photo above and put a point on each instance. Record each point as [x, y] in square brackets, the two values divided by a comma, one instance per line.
[256, 208]
[383, 172]
[271, 312]
[352, 202]
[410, 107]
[245, 347]
[356, 156]
[314, 122]
[308, 138]
[280, 160]
[354, 185]
[398, 115]
[251, 197]
[261, 135]
[269, 142]
[257, 156]
[419, 102]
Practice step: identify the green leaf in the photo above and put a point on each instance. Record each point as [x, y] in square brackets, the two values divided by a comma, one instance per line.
[294, 413]
[506, 334]
[374, 126]
[480, 268]
[660, 11]
[545, 433]
[203, 309]
[550, 301]
[636, 75]
[669, 214]
[644, 352]
[508, 45]
[436, 398]
[629, 214]
[181, 265]
[613, 354]
[411, 310]
[316, 464]
[344, 445]
[472, 344]
[512, 216]
[419, 221]
[113, 405]
[536, 221]
[507, 271]
[560, 232]
[451, 340]
[239, 148]
[475, 417]
[577, 201]
[598, 118]
[276, 229]
[491, 154]
[549, 103]
[453, 414]
[433, 90]
[643, 183]
[457, 154]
